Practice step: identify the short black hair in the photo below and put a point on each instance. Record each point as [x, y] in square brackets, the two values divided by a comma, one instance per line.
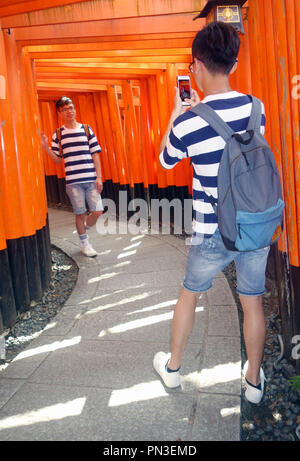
[63, 101]
[217, 46]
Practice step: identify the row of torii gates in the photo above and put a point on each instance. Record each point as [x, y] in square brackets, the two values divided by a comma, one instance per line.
[118, 60]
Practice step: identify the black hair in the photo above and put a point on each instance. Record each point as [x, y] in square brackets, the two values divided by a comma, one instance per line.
[217, 46]
[63, 101]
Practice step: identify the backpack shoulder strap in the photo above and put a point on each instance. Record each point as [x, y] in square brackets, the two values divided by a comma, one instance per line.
[214, 120]
[58, 134]
[255, 116]
[87, 131]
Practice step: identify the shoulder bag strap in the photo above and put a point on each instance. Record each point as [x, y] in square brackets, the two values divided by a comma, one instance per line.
[87, 131]
[214, 120]
[58, 134]
[255, 116]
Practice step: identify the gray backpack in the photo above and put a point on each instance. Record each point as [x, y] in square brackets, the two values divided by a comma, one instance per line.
[249, 206]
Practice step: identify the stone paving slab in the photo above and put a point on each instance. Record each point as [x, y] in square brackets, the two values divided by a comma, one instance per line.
[89, 375]
[8, 387]
[46, 412]
[217, 418]
[138, 298]
[221, 321]
[130, 326]
[104, 364]
[220, 294]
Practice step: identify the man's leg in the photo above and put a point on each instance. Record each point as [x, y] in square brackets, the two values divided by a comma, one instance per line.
[94, 201]
[251, 277]
[254, 334]
[75, 193]
[183, 322]
[83, 237]
[205, 261]
[92, 218]
[80, 223]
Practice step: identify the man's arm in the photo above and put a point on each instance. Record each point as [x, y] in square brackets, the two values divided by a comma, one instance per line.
[98, 182]
[49, 151]
[95, 149]
[167, 159]
[178, 110]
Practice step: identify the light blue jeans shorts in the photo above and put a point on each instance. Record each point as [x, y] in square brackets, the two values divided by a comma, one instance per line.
[80, 193]
[210, 257]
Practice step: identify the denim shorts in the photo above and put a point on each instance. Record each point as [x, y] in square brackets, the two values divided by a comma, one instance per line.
[210, 257]
[81, 193]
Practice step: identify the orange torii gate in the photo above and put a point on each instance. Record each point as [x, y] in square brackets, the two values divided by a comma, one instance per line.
[118, 61]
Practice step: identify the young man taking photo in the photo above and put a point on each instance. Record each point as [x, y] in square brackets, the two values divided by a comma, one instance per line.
[215, 50]
[82, 166]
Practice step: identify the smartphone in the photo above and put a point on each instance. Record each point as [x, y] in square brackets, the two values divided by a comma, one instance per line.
[184, 86]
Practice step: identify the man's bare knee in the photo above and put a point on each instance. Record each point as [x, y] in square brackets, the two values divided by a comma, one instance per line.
[96, 213]
[189, 296]
[80, 217]
[190, 293]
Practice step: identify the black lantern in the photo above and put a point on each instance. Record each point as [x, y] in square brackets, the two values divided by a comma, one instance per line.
[224, 11]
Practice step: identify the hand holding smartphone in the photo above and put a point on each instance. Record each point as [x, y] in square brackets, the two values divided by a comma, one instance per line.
[184, 87]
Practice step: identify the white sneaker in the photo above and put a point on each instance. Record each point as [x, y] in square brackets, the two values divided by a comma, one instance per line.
[252, 393]
[88, 250]
[160, 361]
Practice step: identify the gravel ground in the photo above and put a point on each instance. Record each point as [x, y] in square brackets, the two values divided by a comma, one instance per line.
[276, 418]
[31, 323]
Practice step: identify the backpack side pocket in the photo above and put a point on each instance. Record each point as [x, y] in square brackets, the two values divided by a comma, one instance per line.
[258, 230]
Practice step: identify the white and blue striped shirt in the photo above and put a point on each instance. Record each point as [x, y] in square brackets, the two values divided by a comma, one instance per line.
[192, 137]
[77, 152]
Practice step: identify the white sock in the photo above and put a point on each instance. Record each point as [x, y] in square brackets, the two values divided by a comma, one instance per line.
[83, 239]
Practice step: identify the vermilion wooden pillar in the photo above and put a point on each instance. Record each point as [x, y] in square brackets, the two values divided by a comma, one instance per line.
[273, 63]
[104, 155]
[157, 132]
[9, 221]
[22, 182]
[147, 139]
[133, 142]
[118, 140]
[111, 153]
[182, 177]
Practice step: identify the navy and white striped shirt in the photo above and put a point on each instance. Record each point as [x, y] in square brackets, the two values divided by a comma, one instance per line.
[77, 152]
[192, 137]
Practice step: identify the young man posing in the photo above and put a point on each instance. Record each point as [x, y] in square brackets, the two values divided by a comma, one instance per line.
[215, 50]
[82, 166]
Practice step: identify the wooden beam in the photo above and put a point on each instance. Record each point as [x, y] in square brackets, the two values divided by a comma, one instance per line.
[93, 10]
[111, 53]
[90, 87]
[98, 81]
[91, 76]
[149, 41]
[96, 71]
[53, 94]
[115, 61]
[103, 65]
[91, 29]
[10, 2]
[12, 7]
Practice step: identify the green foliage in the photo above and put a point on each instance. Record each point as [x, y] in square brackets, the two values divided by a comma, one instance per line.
[295, 382]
